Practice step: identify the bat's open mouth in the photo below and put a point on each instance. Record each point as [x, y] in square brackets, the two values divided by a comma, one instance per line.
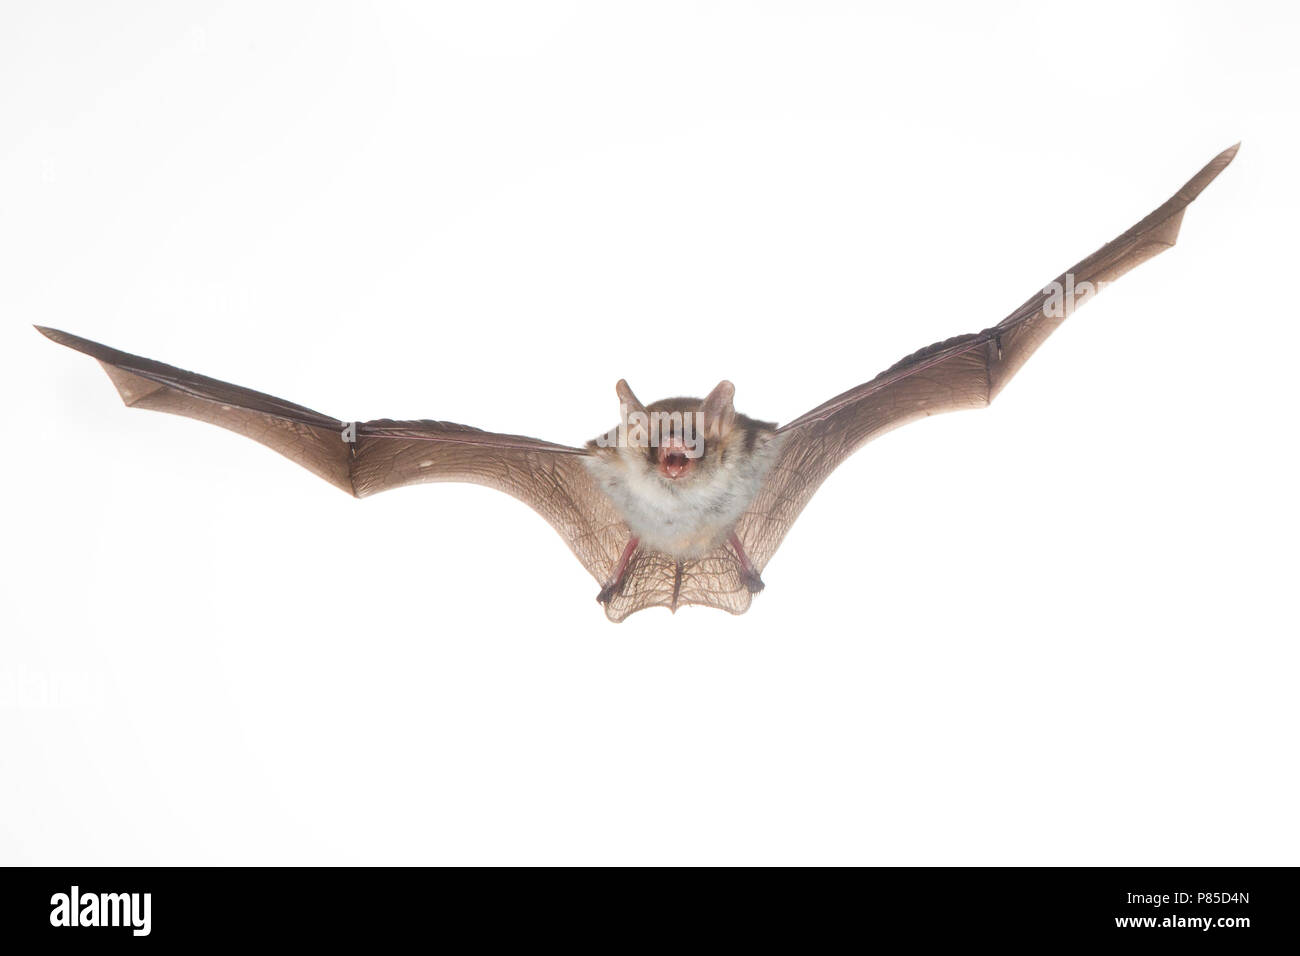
[673, 461]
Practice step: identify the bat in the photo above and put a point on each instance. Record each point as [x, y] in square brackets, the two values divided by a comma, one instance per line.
[686, 500]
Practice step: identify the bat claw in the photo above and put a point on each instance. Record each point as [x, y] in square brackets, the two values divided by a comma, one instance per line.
[753, 582]
[606, 594]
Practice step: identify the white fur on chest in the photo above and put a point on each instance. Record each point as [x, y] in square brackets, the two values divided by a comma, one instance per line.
[684, 520]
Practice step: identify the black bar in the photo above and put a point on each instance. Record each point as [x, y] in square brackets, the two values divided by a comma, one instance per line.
[1193, 906]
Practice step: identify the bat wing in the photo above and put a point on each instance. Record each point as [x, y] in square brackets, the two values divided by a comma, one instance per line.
[364, 458]
[964, 372]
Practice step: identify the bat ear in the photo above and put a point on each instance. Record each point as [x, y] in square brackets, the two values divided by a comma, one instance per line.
[625, 397]
[717, 412]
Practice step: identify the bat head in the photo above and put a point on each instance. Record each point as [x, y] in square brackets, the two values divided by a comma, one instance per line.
[679, 441]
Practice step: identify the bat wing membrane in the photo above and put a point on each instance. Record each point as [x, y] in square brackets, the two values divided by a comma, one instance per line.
[963, 372]
[365, 458]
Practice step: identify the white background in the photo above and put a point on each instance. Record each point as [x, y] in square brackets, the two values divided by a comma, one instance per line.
[1059, 631]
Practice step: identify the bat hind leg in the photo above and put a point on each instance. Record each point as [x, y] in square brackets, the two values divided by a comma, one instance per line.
[620, 570]
[748, 576]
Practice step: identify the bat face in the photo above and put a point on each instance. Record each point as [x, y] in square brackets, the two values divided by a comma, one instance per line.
[681, 471]
[685, 501]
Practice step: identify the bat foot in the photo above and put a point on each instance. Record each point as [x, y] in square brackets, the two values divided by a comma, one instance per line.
[608, 592]
[748, 576]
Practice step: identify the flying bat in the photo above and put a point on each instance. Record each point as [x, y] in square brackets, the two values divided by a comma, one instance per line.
[686, 500]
